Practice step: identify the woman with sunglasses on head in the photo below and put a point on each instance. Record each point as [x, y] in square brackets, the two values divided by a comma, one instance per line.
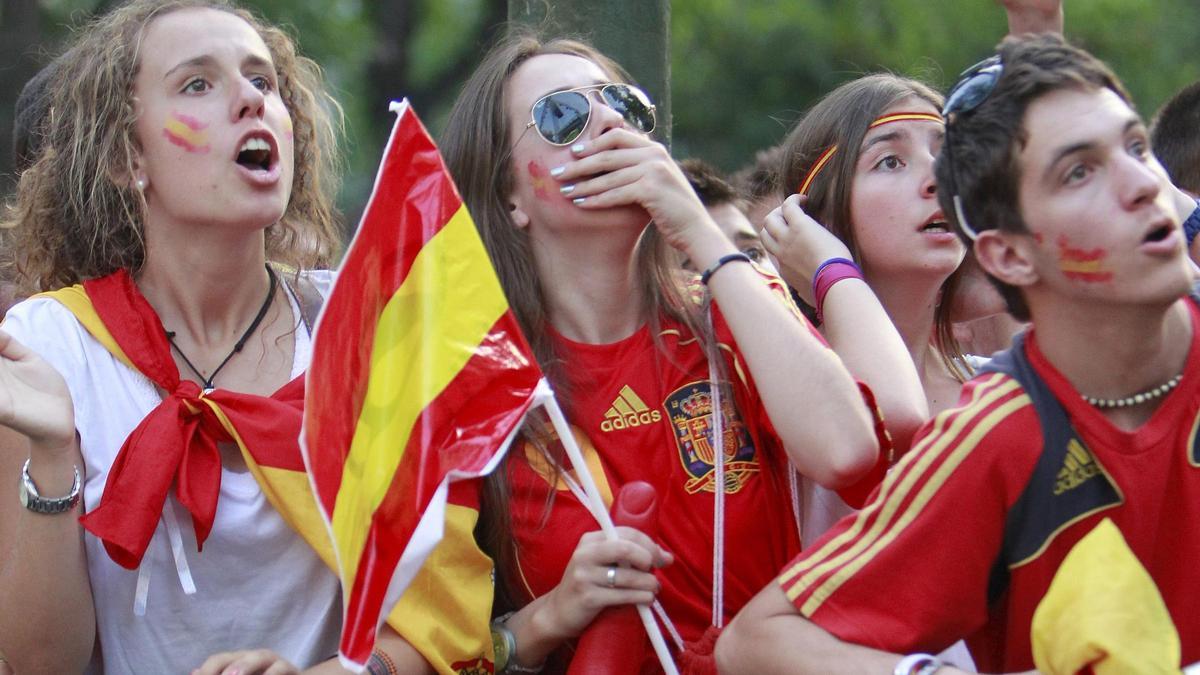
[189, 145]
[577, 205]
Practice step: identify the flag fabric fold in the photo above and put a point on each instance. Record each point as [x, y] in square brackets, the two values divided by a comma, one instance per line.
[420, 377]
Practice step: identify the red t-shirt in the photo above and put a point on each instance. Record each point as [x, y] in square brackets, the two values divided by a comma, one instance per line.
[911, 571]
[642, 414]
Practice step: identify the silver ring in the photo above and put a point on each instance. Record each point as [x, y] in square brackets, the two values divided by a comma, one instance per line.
[611, 576]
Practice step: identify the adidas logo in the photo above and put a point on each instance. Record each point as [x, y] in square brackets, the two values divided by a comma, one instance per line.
[1077, 468]
[628, 411]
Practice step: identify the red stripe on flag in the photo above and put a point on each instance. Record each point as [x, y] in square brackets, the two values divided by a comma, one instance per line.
[459, 430]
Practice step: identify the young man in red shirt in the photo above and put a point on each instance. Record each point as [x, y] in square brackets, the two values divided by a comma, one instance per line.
[1092, 414]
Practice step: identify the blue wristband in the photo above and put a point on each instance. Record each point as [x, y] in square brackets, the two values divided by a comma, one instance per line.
[1191, 226]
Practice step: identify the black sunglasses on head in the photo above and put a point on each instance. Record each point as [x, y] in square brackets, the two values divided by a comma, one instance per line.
[972, 89]
[560, 117]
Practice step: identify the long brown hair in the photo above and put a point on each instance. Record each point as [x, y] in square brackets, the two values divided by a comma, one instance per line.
[843, 118]
[477, 147]
[77, 215]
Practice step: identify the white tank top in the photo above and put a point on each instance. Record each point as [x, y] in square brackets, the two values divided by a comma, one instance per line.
[258, 585]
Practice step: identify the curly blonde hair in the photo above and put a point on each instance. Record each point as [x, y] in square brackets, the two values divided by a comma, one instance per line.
[76, 214]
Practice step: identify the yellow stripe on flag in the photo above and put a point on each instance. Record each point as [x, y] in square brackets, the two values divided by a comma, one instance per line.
[437, 318]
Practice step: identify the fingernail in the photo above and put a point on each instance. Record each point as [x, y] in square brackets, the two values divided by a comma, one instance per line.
[578, 200]
[567, 189]
[578, 147]
[558, 170]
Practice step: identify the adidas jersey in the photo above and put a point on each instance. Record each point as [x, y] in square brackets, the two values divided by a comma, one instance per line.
[966, 533]
[640, 414]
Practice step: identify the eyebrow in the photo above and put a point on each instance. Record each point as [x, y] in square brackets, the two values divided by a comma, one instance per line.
[894, 135]
[744, 236]
[1069, 150]
[206, 60]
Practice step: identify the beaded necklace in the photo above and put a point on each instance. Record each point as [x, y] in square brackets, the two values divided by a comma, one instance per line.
[1136, 399]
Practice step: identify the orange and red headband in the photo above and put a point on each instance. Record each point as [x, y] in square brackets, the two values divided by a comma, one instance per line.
[886, 119]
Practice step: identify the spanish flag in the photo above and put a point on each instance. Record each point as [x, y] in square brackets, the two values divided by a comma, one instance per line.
[420, 378]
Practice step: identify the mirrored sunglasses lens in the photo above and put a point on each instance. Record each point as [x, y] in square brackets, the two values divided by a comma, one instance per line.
[633, 104]
[969, 94]
[975, 87]
[561, 117]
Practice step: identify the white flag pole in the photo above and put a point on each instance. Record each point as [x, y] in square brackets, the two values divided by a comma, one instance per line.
[606, 525]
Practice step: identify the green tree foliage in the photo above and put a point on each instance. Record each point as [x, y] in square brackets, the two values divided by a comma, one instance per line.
[744, 71]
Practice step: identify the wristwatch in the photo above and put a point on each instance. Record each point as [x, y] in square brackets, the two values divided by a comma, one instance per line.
[33, 501]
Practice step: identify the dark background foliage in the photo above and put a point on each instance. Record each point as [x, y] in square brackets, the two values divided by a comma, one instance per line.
[742, 70]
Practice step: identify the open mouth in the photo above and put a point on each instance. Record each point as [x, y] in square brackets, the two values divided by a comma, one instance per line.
[1158, 234]
[256, 154]
[936, 227]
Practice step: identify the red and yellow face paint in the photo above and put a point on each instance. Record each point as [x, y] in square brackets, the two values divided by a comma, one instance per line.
[288, 129]
[544, 187]
[187, 132]
[1081, 264]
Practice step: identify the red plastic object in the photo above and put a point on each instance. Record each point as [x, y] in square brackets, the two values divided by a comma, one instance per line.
[616, 643]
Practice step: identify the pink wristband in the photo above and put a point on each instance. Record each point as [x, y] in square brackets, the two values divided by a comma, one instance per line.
[828, 274]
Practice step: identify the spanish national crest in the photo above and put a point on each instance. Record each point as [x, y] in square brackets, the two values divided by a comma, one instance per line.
[690, 410]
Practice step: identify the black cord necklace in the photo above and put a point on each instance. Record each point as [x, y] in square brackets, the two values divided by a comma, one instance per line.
[237, 347]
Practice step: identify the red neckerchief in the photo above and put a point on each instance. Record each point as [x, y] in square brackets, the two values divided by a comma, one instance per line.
[177, 442]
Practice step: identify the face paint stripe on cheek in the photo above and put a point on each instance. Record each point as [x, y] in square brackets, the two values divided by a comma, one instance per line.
[288, 129]
[1081, 264]
[543, 185]
[187, 132]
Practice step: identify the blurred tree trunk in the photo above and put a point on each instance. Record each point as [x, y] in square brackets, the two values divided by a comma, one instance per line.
[389, 74]
[20, 35]
[635, 33]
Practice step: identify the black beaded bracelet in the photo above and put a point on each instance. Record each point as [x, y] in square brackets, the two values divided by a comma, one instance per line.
[724, 260]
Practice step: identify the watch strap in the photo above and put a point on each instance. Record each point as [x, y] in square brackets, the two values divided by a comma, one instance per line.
[34, 501]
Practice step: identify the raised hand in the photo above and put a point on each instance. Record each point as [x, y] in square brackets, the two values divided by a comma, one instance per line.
[799, 244]
[34, 399]
[627, 169]
[1033, 16]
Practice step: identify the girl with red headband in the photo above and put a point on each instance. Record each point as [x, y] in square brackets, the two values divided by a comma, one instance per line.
[861, 165]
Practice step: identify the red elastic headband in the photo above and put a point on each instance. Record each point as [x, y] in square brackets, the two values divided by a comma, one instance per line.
[886, 119]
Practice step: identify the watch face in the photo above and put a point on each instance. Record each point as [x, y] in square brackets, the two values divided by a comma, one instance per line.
[500, 648]
[24, 495]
